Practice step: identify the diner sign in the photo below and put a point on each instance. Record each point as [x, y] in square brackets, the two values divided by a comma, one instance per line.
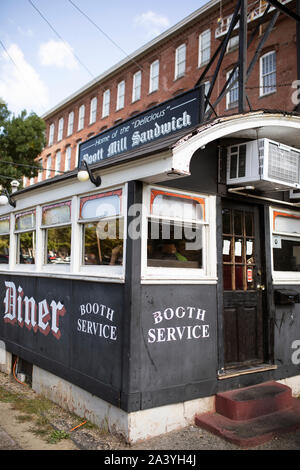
[163, 120]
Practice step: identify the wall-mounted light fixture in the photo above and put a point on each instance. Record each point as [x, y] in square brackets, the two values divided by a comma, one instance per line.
[85, 174]
[6, 199]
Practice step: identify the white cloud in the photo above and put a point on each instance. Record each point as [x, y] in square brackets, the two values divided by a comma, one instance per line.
[153, 23]
[57, 54]
[20, 85]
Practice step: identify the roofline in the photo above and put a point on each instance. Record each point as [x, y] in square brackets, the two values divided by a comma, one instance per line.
[148, 46]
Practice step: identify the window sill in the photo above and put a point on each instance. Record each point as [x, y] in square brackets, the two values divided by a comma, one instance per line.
[66, 275]
[267, 94]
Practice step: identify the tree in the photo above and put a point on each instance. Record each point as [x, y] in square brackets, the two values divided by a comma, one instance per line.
[22, 138]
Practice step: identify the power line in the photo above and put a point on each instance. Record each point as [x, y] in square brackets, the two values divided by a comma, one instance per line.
[104, 33]
[18, 69]
[60, 37]
[40, 168]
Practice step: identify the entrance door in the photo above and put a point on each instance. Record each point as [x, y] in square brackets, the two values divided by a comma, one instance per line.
[242, 283]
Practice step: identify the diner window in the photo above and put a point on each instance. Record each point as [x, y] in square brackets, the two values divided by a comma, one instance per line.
[180, 61]
[175, 230]
[25, 225]
[56, 222]
[286, 241]
[4, 240]
[102, 229]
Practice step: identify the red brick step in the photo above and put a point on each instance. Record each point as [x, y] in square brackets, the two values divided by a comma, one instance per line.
[251, 416]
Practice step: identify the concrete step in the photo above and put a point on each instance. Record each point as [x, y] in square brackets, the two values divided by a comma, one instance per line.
[251, 402]
[251, 416]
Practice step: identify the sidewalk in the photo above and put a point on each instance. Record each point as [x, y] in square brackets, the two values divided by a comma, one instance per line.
[6, 442]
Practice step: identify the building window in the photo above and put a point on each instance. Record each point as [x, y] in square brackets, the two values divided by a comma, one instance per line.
[233, 44]
[81, 117]
[56, 222]
[204, 47]
[286, 241]
[40, 173]
[93, 110]
[180, 61]
[70, 123]
[26, 237]
[60, 129]
[106, 103]
[48, 167]
[51, 134]
[154, 76]
[102, 229]
[268, 73]
[121, 95]
[232, 97]
[77, 152]
[57, 163]
[4, 240]
[68, 158]
[137, 86]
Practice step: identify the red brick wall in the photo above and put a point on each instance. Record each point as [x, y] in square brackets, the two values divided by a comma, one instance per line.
[282, 40]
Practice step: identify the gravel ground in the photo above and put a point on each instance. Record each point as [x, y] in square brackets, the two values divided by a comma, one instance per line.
[43, 420]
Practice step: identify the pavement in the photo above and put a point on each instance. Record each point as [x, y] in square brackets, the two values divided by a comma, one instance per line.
[6, 442]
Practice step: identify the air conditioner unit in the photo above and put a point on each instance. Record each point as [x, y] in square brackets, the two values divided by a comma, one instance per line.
[265, 164]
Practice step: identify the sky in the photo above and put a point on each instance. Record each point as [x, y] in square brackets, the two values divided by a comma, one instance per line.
[47, 55]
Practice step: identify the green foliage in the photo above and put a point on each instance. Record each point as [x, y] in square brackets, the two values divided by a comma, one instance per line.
[22, 138]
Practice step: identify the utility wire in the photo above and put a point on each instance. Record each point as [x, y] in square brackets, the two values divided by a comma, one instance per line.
[104, 33]
[31, 166]
[18, 69]
[60, 37]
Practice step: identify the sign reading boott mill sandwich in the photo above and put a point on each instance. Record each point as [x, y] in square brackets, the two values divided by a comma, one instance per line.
[169, 118]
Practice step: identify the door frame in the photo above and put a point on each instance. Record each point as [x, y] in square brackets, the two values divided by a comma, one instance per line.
[267, 298]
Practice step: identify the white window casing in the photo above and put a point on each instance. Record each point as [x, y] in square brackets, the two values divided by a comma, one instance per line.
[180, 61]
[267, 73]
[137, 86]
[204, 47]
[93, 110]
[154, 76]
[106, 103]
[70, 123]
[68, 158]
[232, 96]
[81, 115]
[51, 134]
[121, 95]
[60, 129]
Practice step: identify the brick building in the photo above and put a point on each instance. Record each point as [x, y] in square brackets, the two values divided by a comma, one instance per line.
[168, 65]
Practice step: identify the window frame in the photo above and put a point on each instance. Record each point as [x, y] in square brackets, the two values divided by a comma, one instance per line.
[105, 271]
[154, 79]
[57, 163]
[47, 267]
[106, 103]
[17, 232]
[68, 157]
[81, 117]
[60, 129]
[51, 134]
[233, 104]
[70, 124]
[6, 266]
[283, 277]
[93, 109]
[177, 63]
[205, 275]
[120, 95]
[137, 86]
[203, 49]
[261, 76]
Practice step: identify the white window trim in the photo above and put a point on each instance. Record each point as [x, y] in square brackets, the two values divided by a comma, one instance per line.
[81, 116]
[93, 110]
[205, 275]
[68, 150]
[106, 103]
[282, 277]
[60, 130]
[201, 36]
[57, 163]
[19, 266]
[137, 96]
[177, 63]
[120, 97]
[228, 104]
[51, 134]
[70, 123]
[152, 89]
[261, 84]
